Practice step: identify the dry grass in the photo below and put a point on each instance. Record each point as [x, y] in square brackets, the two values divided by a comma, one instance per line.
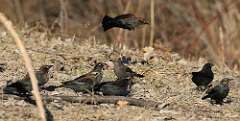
[167, 79]
[191, 28]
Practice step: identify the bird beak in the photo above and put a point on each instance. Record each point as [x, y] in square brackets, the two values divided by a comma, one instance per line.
[145, 22]
[49, 66]
[105, 66]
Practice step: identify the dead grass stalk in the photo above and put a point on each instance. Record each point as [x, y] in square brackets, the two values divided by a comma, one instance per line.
[28, 64]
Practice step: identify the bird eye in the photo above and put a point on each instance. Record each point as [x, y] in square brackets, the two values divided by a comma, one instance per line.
[95, 73]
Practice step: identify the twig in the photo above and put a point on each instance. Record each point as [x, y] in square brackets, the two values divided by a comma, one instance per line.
[149, 104]
[109, 100]
[28, 64]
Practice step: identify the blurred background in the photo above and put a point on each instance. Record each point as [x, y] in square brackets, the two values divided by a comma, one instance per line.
[203, 28]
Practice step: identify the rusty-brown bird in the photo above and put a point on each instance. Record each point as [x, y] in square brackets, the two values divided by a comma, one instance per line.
[23, 87]
[86, 82]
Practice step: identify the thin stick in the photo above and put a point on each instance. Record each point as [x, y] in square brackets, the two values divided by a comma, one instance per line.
[109, 100]
[93, 100]
[28, 64]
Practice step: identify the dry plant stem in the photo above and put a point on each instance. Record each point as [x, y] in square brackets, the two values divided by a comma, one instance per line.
[140, 5]
[19, 12]
[63, 16]
[222, 49]
[152, 22]
[28, 64]
[143, 36]
[42, 10]
[120, 32]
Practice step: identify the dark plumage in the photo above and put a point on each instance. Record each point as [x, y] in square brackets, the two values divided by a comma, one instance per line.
[114, 88]
[23, 87]
[2, 67]
[86, 82]
[124, 72]
[204, 77]
[219, 92]
[125, 21]
[126, 60]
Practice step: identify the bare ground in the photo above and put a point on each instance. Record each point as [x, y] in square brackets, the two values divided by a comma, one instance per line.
[167, 80]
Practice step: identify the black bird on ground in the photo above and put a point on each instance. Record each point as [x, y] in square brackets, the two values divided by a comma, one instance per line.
[23, 87]
[125, 21]
[204, 77]
[124, 72]
[86, 82]
[120, 87]
[2, 67]
[219, 92]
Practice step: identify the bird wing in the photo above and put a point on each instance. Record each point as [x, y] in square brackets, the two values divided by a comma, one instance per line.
[213, 90]
[202, 74]
[124, 16]
[84, 79]
[109, 89]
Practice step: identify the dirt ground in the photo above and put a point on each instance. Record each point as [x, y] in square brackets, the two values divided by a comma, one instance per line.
[167, 80]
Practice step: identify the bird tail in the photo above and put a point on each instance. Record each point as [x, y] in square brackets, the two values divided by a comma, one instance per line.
[194, 73]
[52, 87]
[107, 23]
[205, 97]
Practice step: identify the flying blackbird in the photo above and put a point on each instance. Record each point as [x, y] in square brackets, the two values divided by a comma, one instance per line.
[115, 88]
[23, 87]
[219, 92]
[204, 77]
[124, 72]
[86, 82]
[125, 21]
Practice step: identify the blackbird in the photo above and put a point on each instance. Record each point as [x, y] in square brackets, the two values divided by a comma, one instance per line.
[114, 88]
[23, 87]
[204, 77]
[86, 82]
[124, 72]
[125, 21]
[2, 67]
[219, 92]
